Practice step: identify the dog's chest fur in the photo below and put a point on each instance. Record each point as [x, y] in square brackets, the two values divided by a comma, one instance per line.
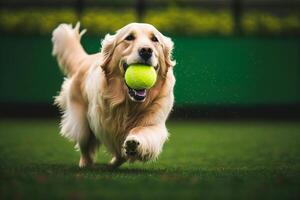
[110, 123]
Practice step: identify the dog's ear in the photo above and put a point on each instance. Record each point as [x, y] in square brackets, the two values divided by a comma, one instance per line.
[108, 45]
[168, 47]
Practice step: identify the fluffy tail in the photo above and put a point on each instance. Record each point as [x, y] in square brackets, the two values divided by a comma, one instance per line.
[67, 47]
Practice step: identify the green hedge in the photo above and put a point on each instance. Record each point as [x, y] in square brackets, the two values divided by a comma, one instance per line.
[44, 21]
[262, 23]
[191, 21]
[172, 20]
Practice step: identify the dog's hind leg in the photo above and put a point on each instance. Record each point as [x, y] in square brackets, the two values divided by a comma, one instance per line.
[86, 140]
[88, 146]
[116, 162]
[74, 123]
[76, 127]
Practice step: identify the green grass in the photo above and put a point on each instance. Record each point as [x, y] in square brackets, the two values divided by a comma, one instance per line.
[231, 160]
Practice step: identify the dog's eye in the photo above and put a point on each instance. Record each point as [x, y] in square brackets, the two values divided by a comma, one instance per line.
[130, 37]
[154, 38]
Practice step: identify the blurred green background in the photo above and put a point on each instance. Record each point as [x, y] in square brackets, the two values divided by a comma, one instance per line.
[229, 53]
[210, 70]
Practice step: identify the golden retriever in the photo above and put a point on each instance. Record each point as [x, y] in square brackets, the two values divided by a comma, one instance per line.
[99, 108]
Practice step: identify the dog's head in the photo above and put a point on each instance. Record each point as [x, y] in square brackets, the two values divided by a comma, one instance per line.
[136, 43]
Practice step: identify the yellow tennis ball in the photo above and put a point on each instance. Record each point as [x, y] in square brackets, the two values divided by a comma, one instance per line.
[139, 76]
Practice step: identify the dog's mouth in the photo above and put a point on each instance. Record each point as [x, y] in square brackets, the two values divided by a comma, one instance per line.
[136, 95]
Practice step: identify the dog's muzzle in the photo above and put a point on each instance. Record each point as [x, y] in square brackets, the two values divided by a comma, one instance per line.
[136, 95]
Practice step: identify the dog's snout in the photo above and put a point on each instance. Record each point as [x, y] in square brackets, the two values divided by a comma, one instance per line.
[145, 53]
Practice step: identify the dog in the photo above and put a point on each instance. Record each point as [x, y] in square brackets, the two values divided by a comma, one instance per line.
[97, 106]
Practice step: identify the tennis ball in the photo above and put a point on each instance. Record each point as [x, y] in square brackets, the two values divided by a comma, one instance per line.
[139, 76]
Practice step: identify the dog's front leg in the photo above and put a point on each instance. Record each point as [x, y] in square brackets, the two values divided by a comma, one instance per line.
[145, 143]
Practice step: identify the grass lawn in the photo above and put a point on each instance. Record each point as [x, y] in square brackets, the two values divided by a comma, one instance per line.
[228, 160]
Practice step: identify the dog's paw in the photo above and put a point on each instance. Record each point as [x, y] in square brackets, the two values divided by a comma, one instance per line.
[85, 162]
[131, 147]
[134, 149]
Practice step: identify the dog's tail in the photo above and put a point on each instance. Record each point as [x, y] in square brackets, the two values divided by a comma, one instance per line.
[67, 47]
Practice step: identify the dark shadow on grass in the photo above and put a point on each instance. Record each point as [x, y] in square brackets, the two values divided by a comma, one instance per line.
[121, 170]
[69, 169]
[72, 170]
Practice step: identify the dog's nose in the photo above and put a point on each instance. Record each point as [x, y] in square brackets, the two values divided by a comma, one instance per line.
[145, 53]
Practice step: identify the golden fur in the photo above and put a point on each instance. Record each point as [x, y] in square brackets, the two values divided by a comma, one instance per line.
[94, 99]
